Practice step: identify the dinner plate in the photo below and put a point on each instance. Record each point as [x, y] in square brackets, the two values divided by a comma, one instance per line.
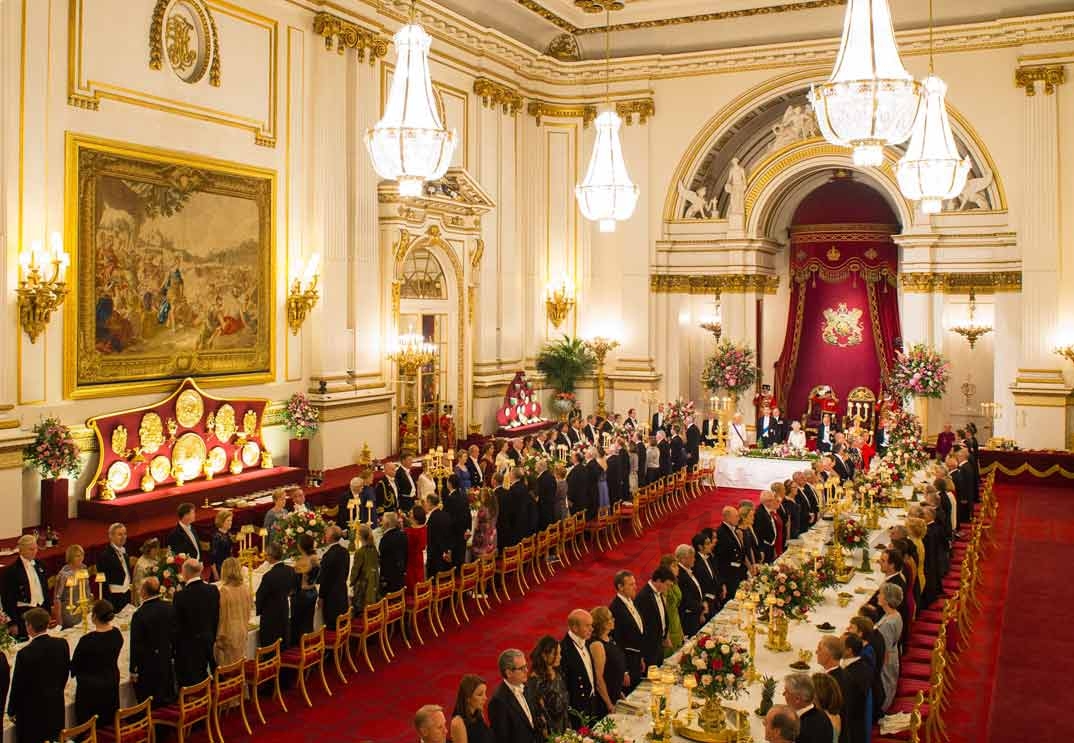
[119, 475]
[160, 468]
[251, 453]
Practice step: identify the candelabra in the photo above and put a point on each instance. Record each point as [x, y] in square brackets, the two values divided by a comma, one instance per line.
[600, 347]
[80, 597]
[411, 353]
[250, 555]
[440, 464]
[649, 397]
[713, 324]
[559, 301]
[1066, 351]
[724, 409]
[40, 294]
[752, 676]
[660, 697]
[302, 296]
[971, 331]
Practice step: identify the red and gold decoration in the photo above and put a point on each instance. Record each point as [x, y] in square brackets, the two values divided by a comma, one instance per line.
[842, 326]
[521, 410]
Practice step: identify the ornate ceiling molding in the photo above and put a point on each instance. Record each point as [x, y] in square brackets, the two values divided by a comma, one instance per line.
[724, 283]
[643, 108]
[1050, 75]
[587, 112]
[349, 35]
[961, 283]
[494, 94]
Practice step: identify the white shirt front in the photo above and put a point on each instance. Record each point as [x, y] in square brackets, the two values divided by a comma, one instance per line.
[520, 694]
[193, 540]
[583, 651]
[690, 574]
[126, 584]
[633, 612]
[37, 591]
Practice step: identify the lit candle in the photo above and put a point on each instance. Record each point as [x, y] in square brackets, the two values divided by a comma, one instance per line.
[100, 586]
[311, 269]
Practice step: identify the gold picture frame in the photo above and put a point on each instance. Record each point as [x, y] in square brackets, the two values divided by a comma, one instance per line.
[130, 325]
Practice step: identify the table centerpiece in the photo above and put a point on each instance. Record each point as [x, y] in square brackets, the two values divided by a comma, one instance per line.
[718, 667]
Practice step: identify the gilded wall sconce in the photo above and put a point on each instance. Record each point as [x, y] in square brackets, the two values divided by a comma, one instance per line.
[42, 288]
[303, 295]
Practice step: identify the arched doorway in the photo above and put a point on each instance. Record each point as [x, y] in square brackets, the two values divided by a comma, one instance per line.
[843, 326]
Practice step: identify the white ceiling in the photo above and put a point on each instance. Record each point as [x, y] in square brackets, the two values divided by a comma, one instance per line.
[736, 23]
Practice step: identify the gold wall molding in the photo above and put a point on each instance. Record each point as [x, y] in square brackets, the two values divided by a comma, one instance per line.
[643, 108]
[346, 35]
[961, 283]
[159, 33]
[723, 283]
[1051, 75]
[587, 112]
[494, 94]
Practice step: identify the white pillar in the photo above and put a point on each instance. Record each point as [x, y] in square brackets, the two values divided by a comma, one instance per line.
[10, 44]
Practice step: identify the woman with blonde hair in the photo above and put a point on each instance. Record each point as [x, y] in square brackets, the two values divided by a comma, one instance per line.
[916, 528]
[235, 605]
[609, 661]
[75, 560]
[220, 546]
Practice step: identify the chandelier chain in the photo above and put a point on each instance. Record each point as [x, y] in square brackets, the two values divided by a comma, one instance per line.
[930, 37]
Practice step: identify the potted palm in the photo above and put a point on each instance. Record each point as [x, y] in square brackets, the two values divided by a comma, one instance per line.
[562, 363]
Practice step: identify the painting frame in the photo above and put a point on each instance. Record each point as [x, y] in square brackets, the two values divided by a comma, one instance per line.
[87, 373]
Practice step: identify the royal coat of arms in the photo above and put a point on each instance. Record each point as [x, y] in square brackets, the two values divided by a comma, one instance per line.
[842, 326]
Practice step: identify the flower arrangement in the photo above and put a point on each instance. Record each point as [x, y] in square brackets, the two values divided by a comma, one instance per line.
[7, 642]
[52, 452]
[793, 587]
[290, 527]
[919, 371]
[167, 570]
[824, 572]
[850, 534]
[906, 453]
[732, 367]
[782, 451]
[677, 411]
[300, 417]
[602, 731]
[719, 664]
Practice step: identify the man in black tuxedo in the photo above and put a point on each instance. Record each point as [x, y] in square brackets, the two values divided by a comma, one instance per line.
[457, 505]
[431, 724]
[574, 433]
[882, 439]
[813, 724]
[183, 540]
[578, 490]
[197, 613]
[335, 565]
[393, 555]
[25, 585]
[830, 651]
[113, 562]
[516, 505]
[36, 700]
[511, 706]
[272, 602]
[767, 431]
[764, 526]
[641, 450]
[624, 469]
[152, 646]
[440, 537]
[576, 665]
[629, 625]
[630, 423]
[825, 433]
[404, 483]
[615, 474]
[935, 558]
[843, 466]
[677, 449]
[779, 426]
[730, 555]
[664, 446]
[693, 444]
[473, 465]
[653, 609]
[705, 570]
[589, 430]
[658, 423]
[805, 509]
[546, 495]
[964, 479]
[859, 676]
[692, 607]
[809, 489]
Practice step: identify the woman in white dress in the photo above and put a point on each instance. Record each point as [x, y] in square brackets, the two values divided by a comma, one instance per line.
[796, 439]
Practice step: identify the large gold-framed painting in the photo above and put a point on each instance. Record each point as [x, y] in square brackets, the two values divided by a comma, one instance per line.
[173, 270]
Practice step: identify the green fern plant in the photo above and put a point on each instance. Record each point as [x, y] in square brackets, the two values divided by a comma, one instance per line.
[564, 361]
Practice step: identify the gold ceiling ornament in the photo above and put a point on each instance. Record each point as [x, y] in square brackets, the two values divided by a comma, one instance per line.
[494, 94]
[587, 112]
[349, 35]
[183, 33]
[225, 422]
[564, 48]
[713, 283]
[150, 433]
[962, 283]
[833, 254]
[599, 6]
[643, 108]
[189, 408]
[1051, 75]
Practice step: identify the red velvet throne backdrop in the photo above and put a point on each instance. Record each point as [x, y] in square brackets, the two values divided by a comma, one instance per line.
[843, 320]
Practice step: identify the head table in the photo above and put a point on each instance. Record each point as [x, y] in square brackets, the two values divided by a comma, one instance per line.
[633, 719]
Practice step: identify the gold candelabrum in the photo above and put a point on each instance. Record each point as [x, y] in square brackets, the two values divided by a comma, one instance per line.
[42, 288]
[1066, 351]
[559, 301]
[972, 331]
[650, 397]
[252, 541]
[600, 347]
[411, 353]
[80, 597]
[660, 697]
[724, 407]
[777, 627]
[440, 465]
[303, 295]
[752, 676]
[713, 324]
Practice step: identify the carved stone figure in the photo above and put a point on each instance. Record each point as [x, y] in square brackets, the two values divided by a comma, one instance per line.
[975, 192]
[696, 205]
[736, 187]
[798, 123]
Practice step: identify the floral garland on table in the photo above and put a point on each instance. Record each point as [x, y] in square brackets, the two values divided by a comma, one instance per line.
[793, 587]
[602, 731]
[300, 417]
[7, 642]
[906, 453]
[783, 451]
[732, 367]
[719, 665]
[677, 411]
[288, 529]
[850, 534]
[52, 452]
[919, 371]
[824, 572]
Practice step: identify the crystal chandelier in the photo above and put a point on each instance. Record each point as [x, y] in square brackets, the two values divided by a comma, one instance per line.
[870, 100]
[607, 195]
[931, 170]
[410, 144]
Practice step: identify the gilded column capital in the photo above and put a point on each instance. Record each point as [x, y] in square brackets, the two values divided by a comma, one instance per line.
[723, 283]
[584, 111]
[349, 35]
[494, 94]
[1051, 75]
[962, 283]
[643, 108]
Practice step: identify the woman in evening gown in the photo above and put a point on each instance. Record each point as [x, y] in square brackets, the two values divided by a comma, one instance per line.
[220, 546]
[609, 661]
[672, 599]
[95, 666]
[236, 602]
[548, 689]
[468, 719]
[416, 537]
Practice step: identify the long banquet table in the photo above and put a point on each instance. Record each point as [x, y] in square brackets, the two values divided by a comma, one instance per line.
[755, 473]
[633, 720]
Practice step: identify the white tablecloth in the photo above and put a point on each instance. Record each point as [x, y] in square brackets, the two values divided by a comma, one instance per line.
[802, 635]
[754, 473]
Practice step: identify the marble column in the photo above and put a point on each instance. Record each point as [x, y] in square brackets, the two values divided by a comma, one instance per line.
[1041, 395]
[9, 217]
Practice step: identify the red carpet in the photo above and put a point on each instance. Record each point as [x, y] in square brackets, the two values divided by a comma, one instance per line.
[378, 706]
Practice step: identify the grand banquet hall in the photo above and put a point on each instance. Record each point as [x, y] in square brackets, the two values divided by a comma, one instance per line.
[575, 370]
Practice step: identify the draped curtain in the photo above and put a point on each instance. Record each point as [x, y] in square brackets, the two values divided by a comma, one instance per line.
[843, 322]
